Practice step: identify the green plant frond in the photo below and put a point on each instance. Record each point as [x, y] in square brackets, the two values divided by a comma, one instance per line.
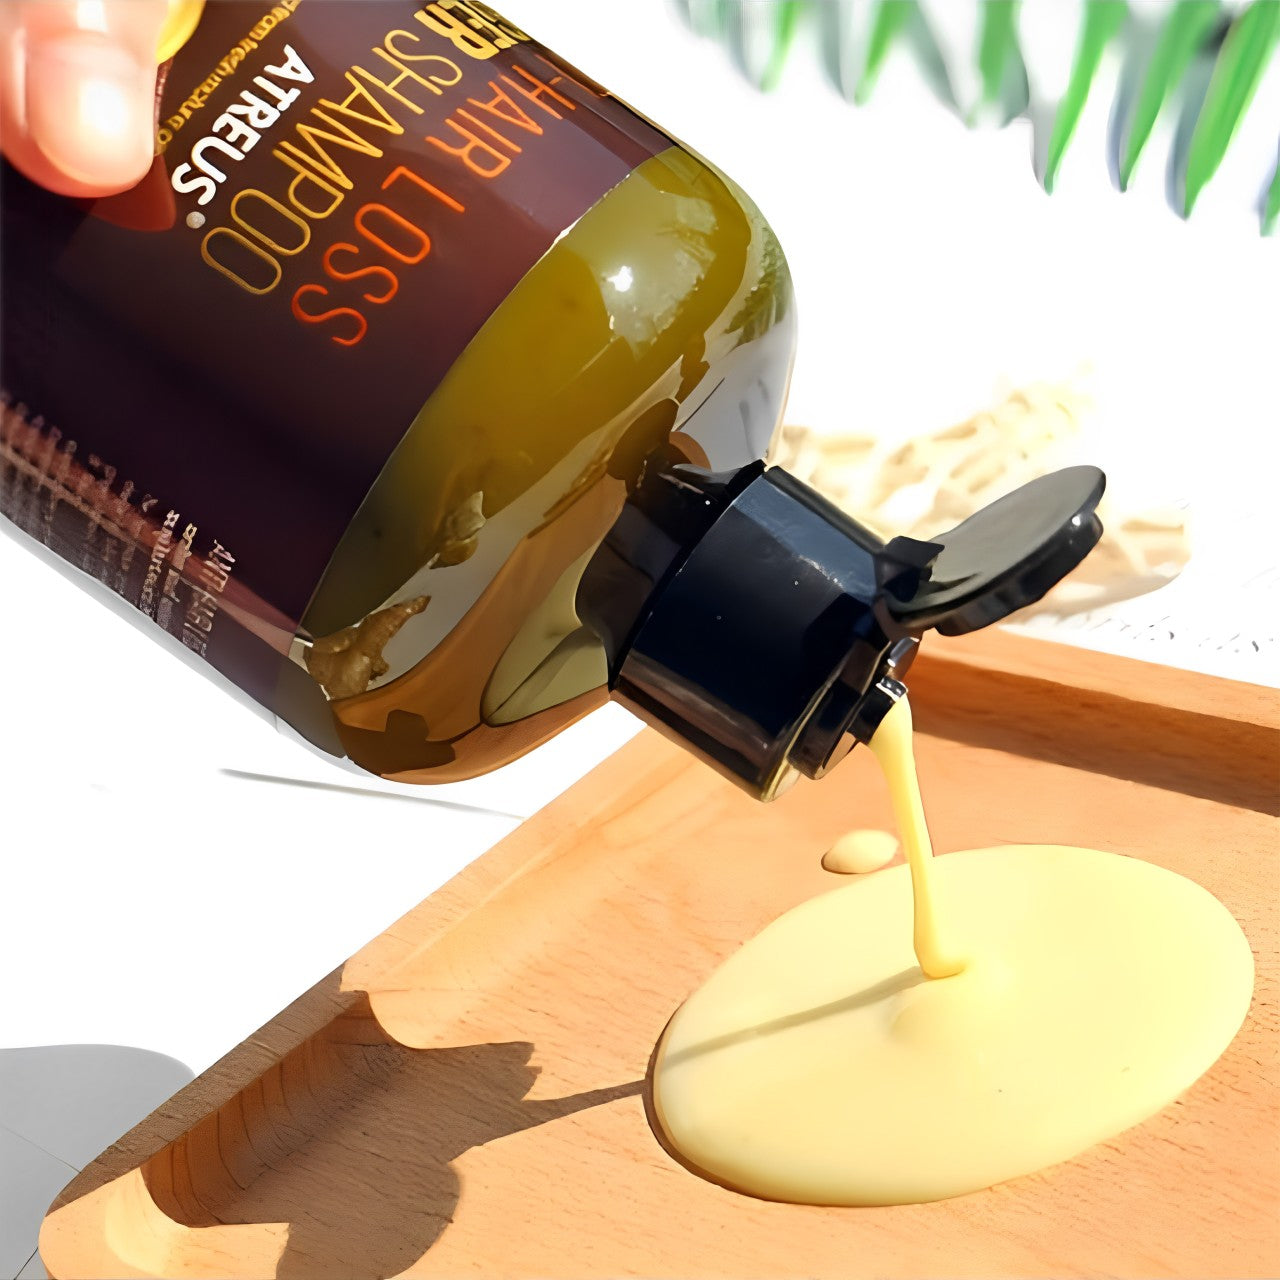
[891, 19]
[1183, 34]
[1271, 204]
[1103, 21]
[1241, 62]
[997, 47]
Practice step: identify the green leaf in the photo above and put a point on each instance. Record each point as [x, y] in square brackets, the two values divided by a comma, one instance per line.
[997, 44]
[1271, 205]
[1103, 20]
[786, 15]
[759, 35]
[1241, 62]
[891, 18]
[1181, 37]
[706, 17]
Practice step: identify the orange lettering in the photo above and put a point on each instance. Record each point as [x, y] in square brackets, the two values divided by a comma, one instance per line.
[513, 114]
[362, 325]
[401, 172]
[366, 211]
[474, 152]
[334, 273]
[540, 88]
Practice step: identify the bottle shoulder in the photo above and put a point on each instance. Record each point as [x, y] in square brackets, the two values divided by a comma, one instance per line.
[662, 321]
[662, 291]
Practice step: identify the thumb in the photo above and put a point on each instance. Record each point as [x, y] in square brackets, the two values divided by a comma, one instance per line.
[78, 98]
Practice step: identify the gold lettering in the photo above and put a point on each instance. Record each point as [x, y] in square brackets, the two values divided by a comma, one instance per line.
[346, 138]
[294, 157]
[206, 252]
[306, 177]
[383, 120]
[392, 54]
[258, 233]
[489, 24]
[494, 19]
[463, 38]
[389, 87]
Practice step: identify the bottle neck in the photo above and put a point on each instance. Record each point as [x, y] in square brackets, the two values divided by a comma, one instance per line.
[743, 617]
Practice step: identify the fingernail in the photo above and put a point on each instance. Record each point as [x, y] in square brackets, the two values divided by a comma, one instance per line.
[90, 108]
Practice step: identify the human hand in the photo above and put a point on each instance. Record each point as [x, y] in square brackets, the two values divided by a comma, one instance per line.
[77, 90]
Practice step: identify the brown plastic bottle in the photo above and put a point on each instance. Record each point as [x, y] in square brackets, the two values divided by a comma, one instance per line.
[422, 390]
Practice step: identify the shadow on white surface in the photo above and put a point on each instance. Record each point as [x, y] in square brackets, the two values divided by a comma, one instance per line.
[29, 1180]
[246, 776]
[34, 1270]
[60, 1107]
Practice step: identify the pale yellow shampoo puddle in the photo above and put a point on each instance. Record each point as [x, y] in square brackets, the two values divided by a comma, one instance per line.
[938, 1027]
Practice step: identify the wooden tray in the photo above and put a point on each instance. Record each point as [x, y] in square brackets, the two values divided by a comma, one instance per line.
[467, 1095]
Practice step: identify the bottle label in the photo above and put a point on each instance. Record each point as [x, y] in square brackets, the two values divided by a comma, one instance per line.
[204, 376]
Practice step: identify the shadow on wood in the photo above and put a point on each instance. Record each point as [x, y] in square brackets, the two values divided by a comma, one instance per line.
[392, 1119]
[1174, 730]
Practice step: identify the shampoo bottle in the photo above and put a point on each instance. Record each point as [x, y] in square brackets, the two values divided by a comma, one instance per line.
[423, 392]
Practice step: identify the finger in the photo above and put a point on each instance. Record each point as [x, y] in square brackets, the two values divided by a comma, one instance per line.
[77, 102]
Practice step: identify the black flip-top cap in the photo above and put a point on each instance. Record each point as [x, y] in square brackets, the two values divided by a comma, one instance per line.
[776, 637]
[1001, 559]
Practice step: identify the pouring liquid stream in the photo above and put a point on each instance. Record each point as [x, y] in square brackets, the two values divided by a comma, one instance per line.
[891, 745]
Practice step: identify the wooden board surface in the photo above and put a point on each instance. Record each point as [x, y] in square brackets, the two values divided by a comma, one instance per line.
[468, 1094]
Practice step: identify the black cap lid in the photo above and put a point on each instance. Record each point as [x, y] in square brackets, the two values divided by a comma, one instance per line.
[766, 644]
[999, 560]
